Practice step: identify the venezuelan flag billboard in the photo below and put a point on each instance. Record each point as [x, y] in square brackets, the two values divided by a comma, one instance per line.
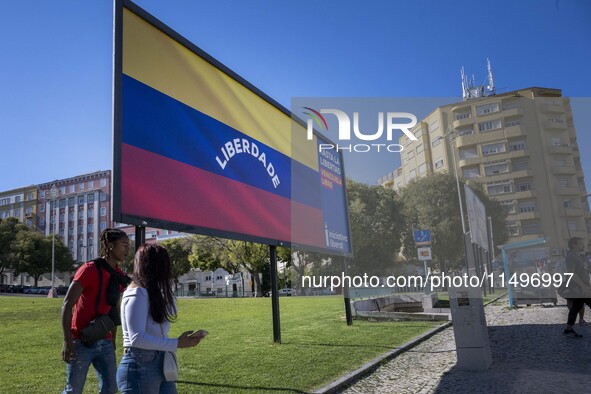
[198, 149]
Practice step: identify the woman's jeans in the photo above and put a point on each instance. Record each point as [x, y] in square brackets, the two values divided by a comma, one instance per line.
[140, 371]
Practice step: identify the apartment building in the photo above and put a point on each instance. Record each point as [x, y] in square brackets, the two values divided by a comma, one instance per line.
[77, 209]
[520, 147]
[20, 203]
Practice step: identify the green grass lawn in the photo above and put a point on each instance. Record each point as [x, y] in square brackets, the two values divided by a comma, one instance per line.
[238, 356]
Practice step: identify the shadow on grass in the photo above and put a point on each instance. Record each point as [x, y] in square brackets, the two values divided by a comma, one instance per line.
[256, 389]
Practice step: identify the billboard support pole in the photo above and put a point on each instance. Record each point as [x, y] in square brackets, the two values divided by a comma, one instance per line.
[346, 295]
[140, 236]
[274, 294]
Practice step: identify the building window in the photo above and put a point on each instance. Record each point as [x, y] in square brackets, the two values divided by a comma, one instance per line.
[42, 222]
[80, 199]
[487, 109]
[62, 203]
[466, 131]
[80, 186]
[72, 188]
[90, 213]
[29, 196]
[62, 190]
[103, 182]
[418, 134]
[422, 168]
[410, 154]
[90, 198]
[491, 149]
[103, 211]
[513, 231]
[463, 115]
[563, 182]
[71, 216]
[524, 187]
[103, 225]
[411, 174]
[556, 120]
[5, 201]
[103, 197]
[42, 193]
[70, 230]
[471, 172]
[468, 153]
[498, 167]
[556, 141]
[439, 163]
[517, 145]
[420, 148]
[560, 162]
[490, 125]
[531, 228]
[572, 226]
[71, 246]
[89, 228]
[29, 210]
[508, 206]
[436, 141]
[527, 207]
[434, 126]
[17, 212]
[520, 165]
[71, 201]
[29, 223]
[500, 187]
[512, 122]
[62, 217]
[42, 208]
[62, 232]
[80, 229]
[17, 199]
[90, 185]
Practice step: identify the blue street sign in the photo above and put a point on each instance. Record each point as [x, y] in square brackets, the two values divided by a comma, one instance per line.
[422, 236]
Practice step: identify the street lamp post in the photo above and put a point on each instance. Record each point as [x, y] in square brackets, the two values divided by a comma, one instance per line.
[451, 136]
[54, 192]
[564, 209]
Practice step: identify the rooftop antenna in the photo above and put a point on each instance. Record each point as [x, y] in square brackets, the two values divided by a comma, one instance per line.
[470, 90]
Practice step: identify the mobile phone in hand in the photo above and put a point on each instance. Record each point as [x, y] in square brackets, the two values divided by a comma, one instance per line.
[200, 333]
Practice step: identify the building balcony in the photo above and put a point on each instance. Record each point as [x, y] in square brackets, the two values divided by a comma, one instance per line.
[552, 108]
[466, 140]
[555, 125]
[494, 135]
[563, 170]
[577, 212]
[522, 173]
[528, 215]
[560, 150]
[512, 111]
[462, 122]
[469, 161]
[518, 153]
[514, 131]
[525, 194]
[568, 191]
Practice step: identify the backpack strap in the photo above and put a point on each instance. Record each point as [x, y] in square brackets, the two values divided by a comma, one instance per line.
[100, 289]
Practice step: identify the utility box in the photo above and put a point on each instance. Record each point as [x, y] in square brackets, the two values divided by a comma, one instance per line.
[470, 329]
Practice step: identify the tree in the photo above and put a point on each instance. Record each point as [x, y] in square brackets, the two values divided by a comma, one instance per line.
[33, 251]
[9, 228]
[376, 223]
[431, 203]
[179, 250]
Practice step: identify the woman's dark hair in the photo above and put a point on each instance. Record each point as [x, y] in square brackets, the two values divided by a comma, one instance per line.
[110, 235]
[152, 271]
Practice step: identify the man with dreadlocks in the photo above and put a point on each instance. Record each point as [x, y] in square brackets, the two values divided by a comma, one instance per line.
[89, 298]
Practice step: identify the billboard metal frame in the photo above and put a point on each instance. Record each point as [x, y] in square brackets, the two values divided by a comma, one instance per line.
[121, 217]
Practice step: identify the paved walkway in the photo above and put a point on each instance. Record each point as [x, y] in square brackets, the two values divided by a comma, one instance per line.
[530, 355]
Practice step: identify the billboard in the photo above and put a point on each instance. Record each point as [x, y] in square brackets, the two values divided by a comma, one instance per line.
[476, 218]
[198, 149]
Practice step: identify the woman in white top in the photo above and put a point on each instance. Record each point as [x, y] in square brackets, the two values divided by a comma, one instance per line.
[147, 308]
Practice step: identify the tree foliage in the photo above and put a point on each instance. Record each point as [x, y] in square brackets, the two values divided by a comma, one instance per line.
[179, 250]
[33, 254]
[9, 228]
[376, 224]
[431, 203]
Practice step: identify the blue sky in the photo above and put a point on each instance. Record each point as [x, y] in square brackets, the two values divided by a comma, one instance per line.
[56, 70]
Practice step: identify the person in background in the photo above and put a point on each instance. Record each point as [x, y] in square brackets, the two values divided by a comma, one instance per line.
[79, 309]
[579, 290]
[147, 309]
